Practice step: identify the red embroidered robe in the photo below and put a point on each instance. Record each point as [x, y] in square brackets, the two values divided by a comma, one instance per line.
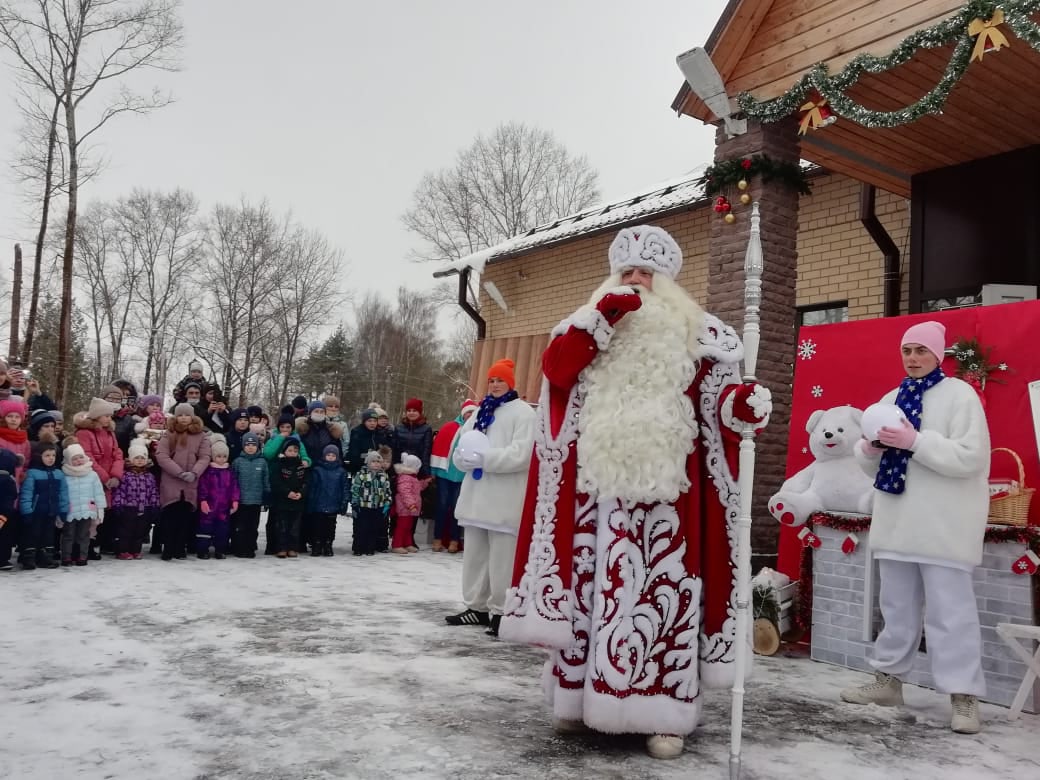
[634, 602]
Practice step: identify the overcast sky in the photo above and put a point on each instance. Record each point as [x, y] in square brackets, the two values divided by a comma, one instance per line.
[334, 110]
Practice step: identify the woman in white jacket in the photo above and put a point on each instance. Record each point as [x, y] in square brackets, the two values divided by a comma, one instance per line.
[492, 498]
[927, 530]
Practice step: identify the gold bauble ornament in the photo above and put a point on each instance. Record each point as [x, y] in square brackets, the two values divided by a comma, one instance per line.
[730, 218]
[745, 199]
[742, 184]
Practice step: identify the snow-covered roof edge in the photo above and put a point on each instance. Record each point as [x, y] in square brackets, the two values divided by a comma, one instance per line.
[666, 196]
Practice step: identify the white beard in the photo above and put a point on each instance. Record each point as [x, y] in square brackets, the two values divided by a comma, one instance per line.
[637, 426]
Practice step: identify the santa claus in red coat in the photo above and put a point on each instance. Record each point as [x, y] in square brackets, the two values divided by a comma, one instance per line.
[626, 557]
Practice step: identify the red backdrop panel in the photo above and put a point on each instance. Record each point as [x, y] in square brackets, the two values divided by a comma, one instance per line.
[858, 362]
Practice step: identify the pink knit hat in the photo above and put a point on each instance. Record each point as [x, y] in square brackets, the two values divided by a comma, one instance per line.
[930, 334]
[12, 406]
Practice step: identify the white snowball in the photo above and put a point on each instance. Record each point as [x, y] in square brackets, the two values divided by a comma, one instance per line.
[878, 416]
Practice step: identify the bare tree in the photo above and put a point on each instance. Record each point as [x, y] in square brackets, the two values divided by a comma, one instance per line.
[240, 275]
[108, 272]
[158, 235]
[502, 185]
[307, 293]
[71, 50]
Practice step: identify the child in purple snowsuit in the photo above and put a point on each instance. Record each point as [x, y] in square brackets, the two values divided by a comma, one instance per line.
[135, 502]
[218, 499]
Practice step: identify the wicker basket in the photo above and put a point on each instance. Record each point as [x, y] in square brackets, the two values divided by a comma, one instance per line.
[1012, 509]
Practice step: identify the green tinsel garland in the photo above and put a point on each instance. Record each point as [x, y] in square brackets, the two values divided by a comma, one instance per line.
[725, 174]
[1017, 15]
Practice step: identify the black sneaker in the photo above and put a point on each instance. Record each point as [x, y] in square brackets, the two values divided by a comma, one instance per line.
[93, 554]
[493, 628]
[28, 564]
[328, 550]
[316, 550]
[203, 556]
[218, 556]
[469, 617]
[5, 566]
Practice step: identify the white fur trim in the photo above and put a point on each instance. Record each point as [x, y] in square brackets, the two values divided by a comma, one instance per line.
[719, 341]
[590, 320]
[659, 714]
[761, 402]
[538, 611]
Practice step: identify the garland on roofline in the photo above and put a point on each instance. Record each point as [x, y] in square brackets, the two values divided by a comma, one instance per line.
[739, 171]
[974, 26]
[1027, 535]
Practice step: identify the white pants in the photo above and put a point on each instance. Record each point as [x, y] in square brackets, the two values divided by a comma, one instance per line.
[487, 569]
[942, 600]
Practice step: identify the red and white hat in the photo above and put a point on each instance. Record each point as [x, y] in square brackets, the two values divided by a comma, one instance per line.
[469, 405]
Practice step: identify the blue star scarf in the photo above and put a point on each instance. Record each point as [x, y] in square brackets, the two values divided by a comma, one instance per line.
[891, 476]
[486, 414]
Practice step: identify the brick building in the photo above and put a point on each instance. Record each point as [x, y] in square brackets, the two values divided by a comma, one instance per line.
[543, 275]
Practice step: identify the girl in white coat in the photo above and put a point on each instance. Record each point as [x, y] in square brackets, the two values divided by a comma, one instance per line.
[929, 520]
[490, 504]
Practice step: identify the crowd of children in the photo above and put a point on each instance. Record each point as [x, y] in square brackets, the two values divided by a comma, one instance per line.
[196, 479]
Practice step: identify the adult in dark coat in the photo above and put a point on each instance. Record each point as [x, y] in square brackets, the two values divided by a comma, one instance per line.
[123, 393]
[364, 438]
[415, 436]
[213, 411]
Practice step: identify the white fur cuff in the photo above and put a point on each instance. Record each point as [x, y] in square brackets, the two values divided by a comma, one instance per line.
[761, 402]
[592, 322]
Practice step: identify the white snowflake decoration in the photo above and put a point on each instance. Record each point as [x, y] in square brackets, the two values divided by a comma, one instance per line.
[817, 391]
[807, 349]
[1002, 367]
[805, 450]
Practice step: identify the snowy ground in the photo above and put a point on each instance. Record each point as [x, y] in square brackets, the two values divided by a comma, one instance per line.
[344, 668]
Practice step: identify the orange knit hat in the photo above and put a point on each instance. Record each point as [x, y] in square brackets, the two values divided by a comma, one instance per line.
[503, 369]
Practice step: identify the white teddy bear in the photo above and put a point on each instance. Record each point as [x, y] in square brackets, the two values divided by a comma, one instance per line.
[834, 482]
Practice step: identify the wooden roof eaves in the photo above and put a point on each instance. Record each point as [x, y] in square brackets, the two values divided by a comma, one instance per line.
[717, 40]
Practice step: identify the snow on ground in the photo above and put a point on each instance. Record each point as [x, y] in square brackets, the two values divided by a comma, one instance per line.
[344, 668]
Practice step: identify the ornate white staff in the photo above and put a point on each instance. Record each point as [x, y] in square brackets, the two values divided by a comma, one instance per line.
[752, 300]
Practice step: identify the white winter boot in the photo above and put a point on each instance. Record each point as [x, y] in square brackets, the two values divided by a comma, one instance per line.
[886, 691]
[664, 746]
[965, 718]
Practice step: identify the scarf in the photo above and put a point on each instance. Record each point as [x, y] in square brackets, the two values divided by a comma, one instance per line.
[15, 436]
[486, 414]
[891, 476]
[78, 471]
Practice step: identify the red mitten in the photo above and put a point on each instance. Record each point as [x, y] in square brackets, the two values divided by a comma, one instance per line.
[616, 304]
[752, 403]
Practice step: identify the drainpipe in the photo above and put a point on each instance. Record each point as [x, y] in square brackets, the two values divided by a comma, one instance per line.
[868, 216]
[467, 307]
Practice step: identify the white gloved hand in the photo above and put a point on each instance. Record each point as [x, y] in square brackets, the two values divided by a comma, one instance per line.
[473, 460]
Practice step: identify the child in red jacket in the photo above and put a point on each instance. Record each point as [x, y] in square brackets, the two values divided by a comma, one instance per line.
[408, 503]
[95, 433]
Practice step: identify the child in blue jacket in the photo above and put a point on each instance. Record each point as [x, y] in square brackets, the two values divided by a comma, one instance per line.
[43, 503]
[327, 497]
[87, 504]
